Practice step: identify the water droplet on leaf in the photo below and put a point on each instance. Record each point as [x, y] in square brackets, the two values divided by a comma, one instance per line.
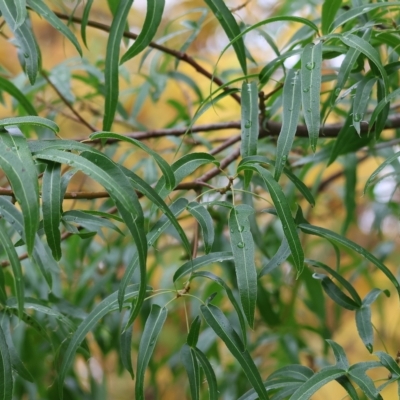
[240, 245]
[247, 124]
[310, 65]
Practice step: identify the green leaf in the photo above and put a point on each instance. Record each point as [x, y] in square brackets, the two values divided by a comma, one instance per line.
[184, 167]
[284, 214]
[365, 383]
[176, 208]
[242, 244]
[193, 335]
[15, 265]
[388, 362]
[223, 328]
[301, 187]
[43, 10]
[152, 329]
[350, 173]
[321, 378]
[111, 72]
[106, 306]
[329, 10]
[125, 349]
[361, 100]
[355, 12]
[51, 207]
[155, 9]
[311, 61]
[14, 12]
[6, 381]
[85, 18]
[231, 28]
[388, 161]
[332, 236]
[205, 221]
[209, 373]
[249, 123]
[336, 294]
[381, 105]
[193, 265]
[340, 356]
[7, 86]
[164, 166]
[231, 297]
[31, 120]
[290, 117]
[279, 257]
[41, 253]
[365, 48]
[20, 176]
[189, 361]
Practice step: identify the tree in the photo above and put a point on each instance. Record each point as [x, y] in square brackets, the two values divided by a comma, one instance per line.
[133, 222]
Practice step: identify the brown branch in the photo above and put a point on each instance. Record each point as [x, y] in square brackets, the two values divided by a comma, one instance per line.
[177, 54]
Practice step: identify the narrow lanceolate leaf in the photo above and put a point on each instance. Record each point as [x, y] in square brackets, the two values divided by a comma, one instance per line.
[155, 9]
[125, 349]
[42, 9]
[6, 376]
[205, 221]
[15, 265]
[279, 257]
[112, 62]
[85, 18]
[51, 207]
[329, 10]
[361, 100]
[41, 253]
[11, 89]
[202, 261]
[364, 47]
[231, 297]
[189, 361]
[231, 28]
[321, 378]
[242, 244]
[209, 373]
[152, 329]
[311, 60]
[285, 215]
[25, 190]
[14, 12]
[223, 328]
[332, 236]
[31, 120]
[290, 117]
[193, 335]
[164, 166]
[249, 124]
[106, 306]
[176, 208]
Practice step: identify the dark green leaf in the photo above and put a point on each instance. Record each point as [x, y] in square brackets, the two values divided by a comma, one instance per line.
[85, 18]
[209, 373]
[205, 221]
[125, 343]
[152, 329]
[193, 335]
[189, 361]
[329, 10]
[340, 355]
[6, 381]
[222, 327]
[361, 100]
[10, 88]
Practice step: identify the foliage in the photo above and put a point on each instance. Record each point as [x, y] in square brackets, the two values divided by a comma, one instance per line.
[182, 236]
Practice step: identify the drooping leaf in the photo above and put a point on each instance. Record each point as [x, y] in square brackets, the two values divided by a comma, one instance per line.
[231, 28]
[279, 257]
[357, 374]
[15, 265]
[189, 361]
[155, 9]
[106, 306]
[249, 123]
[209, 373]
[164, 166]
[42, 9]
[196, 263]
[6, 381]
[222, 327]
[205, 221]
[361, 100]
[193, 335]
[332, 236]
[14, 13]
[31, 120]
[311, 60]
[51, 207]
[111, 73]
[231, 298]
[152, 329]
[7, 86]
[290, 116]
[242, 244]
[125, 350]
